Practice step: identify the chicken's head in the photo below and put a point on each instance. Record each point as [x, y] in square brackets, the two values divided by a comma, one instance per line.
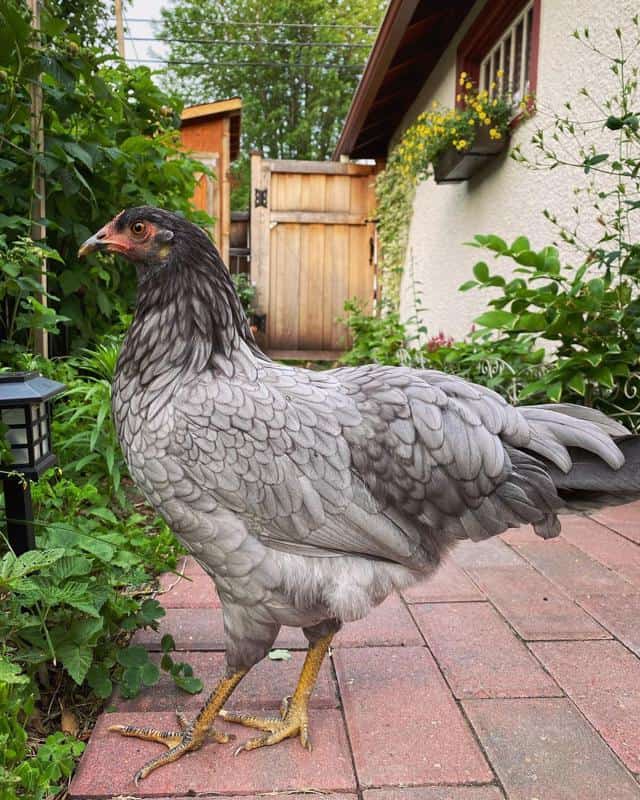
[143, 235]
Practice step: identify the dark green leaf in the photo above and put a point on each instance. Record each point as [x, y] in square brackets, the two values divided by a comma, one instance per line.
[133, 656]
[496, 319]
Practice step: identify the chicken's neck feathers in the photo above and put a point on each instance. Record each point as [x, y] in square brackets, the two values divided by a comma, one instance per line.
[188, 319]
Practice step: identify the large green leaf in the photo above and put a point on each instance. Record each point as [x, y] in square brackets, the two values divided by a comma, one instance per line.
[496, 319]
[76, 659]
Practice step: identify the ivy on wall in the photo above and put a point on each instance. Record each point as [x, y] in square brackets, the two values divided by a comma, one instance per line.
[412, 160]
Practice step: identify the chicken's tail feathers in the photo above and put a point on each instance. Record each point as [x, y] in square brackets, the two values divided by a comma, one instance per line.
[592, 459]
[591, 484]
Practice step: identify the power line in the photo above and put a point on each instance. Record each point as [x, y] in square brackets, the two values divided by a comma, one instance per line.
[130, 38]
[243, 24]
[281, 64]
[249, 43]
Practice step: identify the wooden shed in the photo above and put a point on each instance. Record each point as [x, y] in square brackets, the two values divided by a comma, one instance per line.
[211, 132]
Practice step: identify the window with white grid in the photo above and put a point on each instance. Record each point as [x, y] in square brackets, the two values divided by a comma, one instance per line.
[506, 67]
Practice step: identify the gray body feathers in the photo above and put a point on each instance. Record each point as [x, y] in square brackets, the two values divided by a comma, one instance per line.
[310, 496]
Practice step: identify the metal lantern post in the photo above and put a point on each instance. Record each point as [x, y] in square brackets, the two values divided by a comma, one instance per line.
[25, 410]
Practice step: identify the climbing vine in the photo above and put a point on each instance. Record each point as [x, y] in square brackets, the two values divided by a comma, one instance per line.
[413, 158]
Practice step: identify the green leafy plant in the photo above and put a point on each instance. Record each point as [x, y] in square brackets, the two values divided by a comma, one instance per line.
[382, 338]
[181, 672]
[587, 314]
[85, 430]
[22, 297]
[41, 775]
[111, 141]
[246, 292]
[502, 365]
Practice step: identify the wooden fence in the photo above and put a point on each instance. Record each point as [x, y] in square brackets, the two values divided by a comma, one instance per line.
[312, 248]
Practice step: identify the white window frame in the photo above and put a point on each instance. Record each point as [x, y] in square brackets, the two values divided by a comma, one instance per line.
[495, 60]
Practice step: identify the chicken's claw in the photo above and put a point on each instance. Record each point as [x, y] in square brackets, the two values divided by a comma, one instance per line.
[177, 742]
[293, 722]
[191, 735]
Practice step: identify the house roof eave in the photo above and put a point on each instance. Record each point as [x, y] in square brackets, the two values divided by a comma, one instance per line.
[412, 38]
[392, 29]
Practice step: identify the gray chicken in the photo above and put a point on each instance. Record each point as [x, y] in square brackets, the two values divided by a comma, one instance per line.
[309, 496]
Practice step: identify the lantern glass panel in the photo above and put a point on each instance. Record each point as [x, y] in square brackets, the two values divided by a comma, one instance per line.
[20, 457]
[14, 416]
[35, 421]
[45, 446]
[17, 435]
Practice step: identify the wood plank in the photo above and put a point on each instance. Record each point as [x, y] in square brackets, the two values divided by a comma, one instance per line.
[209, 109]
[225, 192]
[259, 232]
[287, 193]
[305, 355]
[336, 286]
[313, 193]
[311, 289]
[318, 217]
[286, 242]
[360, 269]
[336, 264]
[363, 199]
[323, 167]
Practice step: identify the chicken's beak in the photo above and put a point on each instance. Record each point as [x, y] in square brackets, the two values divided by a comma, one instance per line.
[98, 241]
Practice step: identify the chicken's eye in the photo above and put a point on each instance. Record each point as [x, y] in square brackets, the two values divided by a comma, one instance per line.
[138, 228]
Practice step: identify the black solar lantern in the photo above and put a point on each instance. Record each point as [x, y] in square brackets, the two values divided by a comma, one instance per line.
[25, 411]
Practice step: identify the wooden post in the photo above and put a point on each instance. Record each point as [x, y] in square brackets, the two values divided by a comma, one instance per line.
[259, 232]
[38, 187]
[119, 27]
[224, 222]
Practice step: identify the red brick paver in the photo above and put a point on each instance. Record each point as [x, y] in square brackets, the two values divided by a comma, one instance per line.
[435, 793]
[448, 584]
[604, 545]
[603, 680]
[572, 570]
[533, 605]
[545, 749]
[388, 624]
[263, 688]
[625, 520]
[111, 760]
[404, 726]
[188, 587]
[513, 673]
[479, 654]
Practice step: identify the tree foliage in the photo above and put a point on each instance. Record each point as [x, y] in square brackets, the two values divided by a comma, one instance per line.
[110, 141]
[296, 78]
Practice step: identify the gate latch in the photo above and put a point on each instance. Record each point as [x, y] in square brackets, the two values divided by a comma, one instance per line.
[260, 198]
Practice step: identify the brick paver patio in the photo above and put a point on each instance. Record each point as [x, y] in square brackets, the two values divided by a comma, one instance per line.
[514, 673]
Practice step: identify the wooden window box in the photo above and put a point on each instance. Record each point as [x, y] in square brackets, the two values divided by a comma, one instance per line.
[454, 166]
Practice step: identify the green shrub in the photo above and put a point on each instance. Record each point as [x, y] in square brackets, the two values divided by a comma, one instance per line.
[246, 291]
[111, 141]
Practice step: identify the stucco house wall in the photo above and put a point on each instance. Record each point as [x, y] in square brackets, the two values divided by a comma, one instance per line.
[504, 198]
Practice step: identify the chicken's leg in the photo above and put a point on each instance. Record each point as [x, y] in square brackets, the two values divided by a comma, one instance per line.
[294, 714]
[193, 734]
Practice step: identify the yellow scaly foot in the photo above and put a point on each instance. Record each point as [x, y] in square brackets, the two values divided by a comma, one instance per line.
[191, 736]
[294, 712]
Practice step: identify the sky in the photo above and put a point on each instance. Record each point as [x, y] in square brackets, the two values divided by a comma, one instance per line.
[137, 50]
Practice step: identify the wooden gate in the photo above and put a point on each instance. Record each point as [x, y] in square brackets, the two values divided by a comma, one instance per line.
[312, 248]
